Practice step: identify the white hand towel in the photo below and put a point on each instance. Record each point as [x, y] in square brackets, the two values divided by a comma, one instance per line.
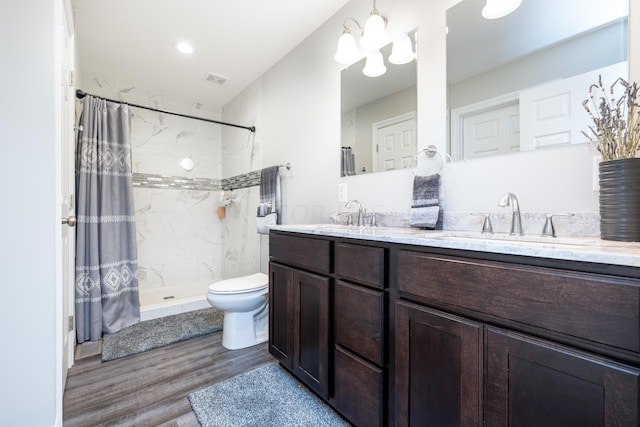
[425, 217]
[264, 222]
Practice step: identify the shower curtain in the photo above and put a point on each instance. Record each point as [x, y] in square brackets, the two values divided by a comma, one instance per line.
[106, 285]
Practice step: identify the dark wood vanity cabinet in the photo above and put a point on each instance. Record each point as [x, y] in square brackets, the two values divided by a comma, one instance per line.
[359, 316]
[445, 363]
[460, 361]
[327, 317]
[400, 335]
[299, 325]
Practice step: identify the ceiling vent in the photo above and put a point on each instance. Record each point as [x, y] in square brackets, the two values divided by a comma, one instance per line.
[215, 78]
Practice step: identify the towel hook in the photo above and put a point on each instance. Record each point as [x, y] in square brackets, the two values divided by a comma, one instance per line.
[430, 152]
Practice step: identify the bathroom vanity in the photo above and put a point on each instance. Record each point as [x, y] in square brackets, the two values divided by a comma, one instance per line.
[406, 327]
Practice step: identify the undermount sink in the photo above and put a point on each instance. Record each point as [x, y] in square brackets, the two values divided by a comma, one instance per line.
[381, 231]
[513, 239]
[325, 226]
[342, 228]
[469, 237]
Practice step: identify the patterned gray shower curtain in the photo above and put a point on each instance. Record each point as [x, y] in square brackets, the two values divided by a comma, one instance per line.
[106, 285]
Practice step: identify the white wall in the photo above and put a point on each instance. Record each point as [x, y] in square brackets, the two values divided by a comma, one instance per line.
[300, 124]
[28, 215]
[300, 101]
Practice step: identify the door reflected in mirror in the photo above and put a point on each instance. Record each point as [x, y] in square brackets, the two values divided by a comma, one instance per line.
[378, 117]
[517, 83]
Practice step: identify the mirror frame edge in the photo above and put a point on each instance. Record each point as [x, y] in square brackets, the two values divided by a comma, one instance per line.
[634, 41]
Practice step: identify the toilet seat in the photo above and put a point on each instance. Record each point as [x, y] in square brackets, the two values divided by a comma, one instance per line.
[240, 285]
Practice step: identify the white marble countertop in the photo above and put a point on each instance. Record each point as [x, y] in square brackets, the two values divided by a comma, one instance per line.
[573, 249]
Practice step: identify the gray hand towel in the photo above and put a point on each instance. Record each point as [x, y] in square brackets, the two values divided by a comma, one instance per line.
[270, 198]
[426, 208]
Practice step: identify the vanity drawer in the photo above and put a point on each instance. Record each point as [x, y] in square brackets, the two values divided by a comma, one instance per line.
[312, 254]
[599, 308]
[359, 320]
[359, 389]
[363, 264]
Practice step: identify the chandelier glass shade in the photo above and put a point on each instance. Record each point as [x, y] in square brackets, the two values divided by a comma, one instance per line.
[347, 52]
[402, 51]
[374, 66]
[374, 35]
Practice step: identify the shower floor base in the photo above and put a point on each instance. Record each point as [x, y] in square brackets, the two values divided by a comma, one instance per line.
[169, 300]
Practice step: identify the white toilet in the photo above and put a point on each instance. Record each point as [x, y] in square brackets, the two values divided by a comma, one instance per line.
[244, 301]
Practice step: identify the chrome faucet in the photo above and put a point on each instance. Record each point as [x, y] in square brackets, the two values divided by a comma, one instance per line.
[516, 221]
[360, 212]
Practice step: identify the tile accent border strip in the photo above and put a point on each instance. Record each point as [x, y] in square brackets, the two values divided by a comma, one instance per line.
[245, 180]
[169, 182]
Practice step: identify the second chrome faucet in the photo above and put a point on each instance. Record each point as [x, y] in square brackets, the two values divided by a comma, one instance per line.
[360, 211]
[510, 199]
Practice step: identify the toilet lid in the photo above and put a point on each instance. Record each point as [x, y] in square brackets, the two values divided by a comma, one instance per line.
[237, 285]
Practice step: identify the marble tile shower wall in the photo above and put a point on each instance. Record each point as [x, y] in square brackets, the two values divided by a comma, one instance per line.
[179, 233]
[241, 245]
[244, 251]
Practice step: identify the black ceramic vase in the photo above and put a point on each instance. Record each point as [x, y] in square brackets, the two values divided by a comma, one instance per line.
[620, 200]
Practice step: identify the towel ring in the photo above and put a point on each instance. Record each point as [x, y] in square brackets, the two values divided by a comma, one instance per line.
[430, 152]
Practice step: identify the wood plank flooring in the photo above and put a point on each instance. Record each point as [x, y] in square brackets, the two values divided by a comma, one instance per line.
[151, 388]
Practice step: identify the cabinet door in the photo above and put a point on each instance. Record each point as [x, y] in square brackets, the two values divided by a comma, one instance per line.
[438, 368]
[532, 382]
[311, 330]
[359, 389]
[281, 313]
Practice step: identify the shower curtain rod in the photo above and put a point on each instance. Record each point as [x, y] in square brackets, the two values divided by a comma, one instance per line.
[81, 94]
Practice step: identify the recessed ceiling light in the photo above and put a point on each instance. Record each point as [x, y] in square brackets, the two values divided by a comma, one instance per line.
[184, 47]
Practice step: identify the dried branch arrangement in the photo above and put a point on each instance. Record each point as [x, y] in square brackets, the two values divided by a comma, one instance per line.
[616, 129]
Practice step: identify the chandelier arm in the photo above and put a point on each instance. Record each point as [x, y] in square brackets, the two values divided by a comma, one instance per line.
[344, 24]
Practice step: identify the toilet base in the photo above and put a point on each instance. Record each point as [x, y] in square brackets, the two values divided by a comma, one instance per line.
[242, 330]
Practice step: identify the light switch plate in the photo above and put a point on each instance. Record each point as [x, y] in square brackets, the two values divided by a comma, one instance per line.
[342, 192]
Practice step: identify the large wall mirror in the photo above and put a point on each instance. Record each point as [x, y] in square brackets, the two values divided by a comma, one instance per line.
[516, 83]
[378, 117]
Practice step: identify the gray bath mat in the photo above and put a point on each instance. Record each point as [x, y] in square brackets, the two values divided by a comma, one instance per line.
[265, 396]
[159, 332]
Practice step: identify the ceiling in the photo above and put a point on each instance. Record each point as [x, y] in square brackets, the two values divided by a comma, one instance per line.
[131, 42]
